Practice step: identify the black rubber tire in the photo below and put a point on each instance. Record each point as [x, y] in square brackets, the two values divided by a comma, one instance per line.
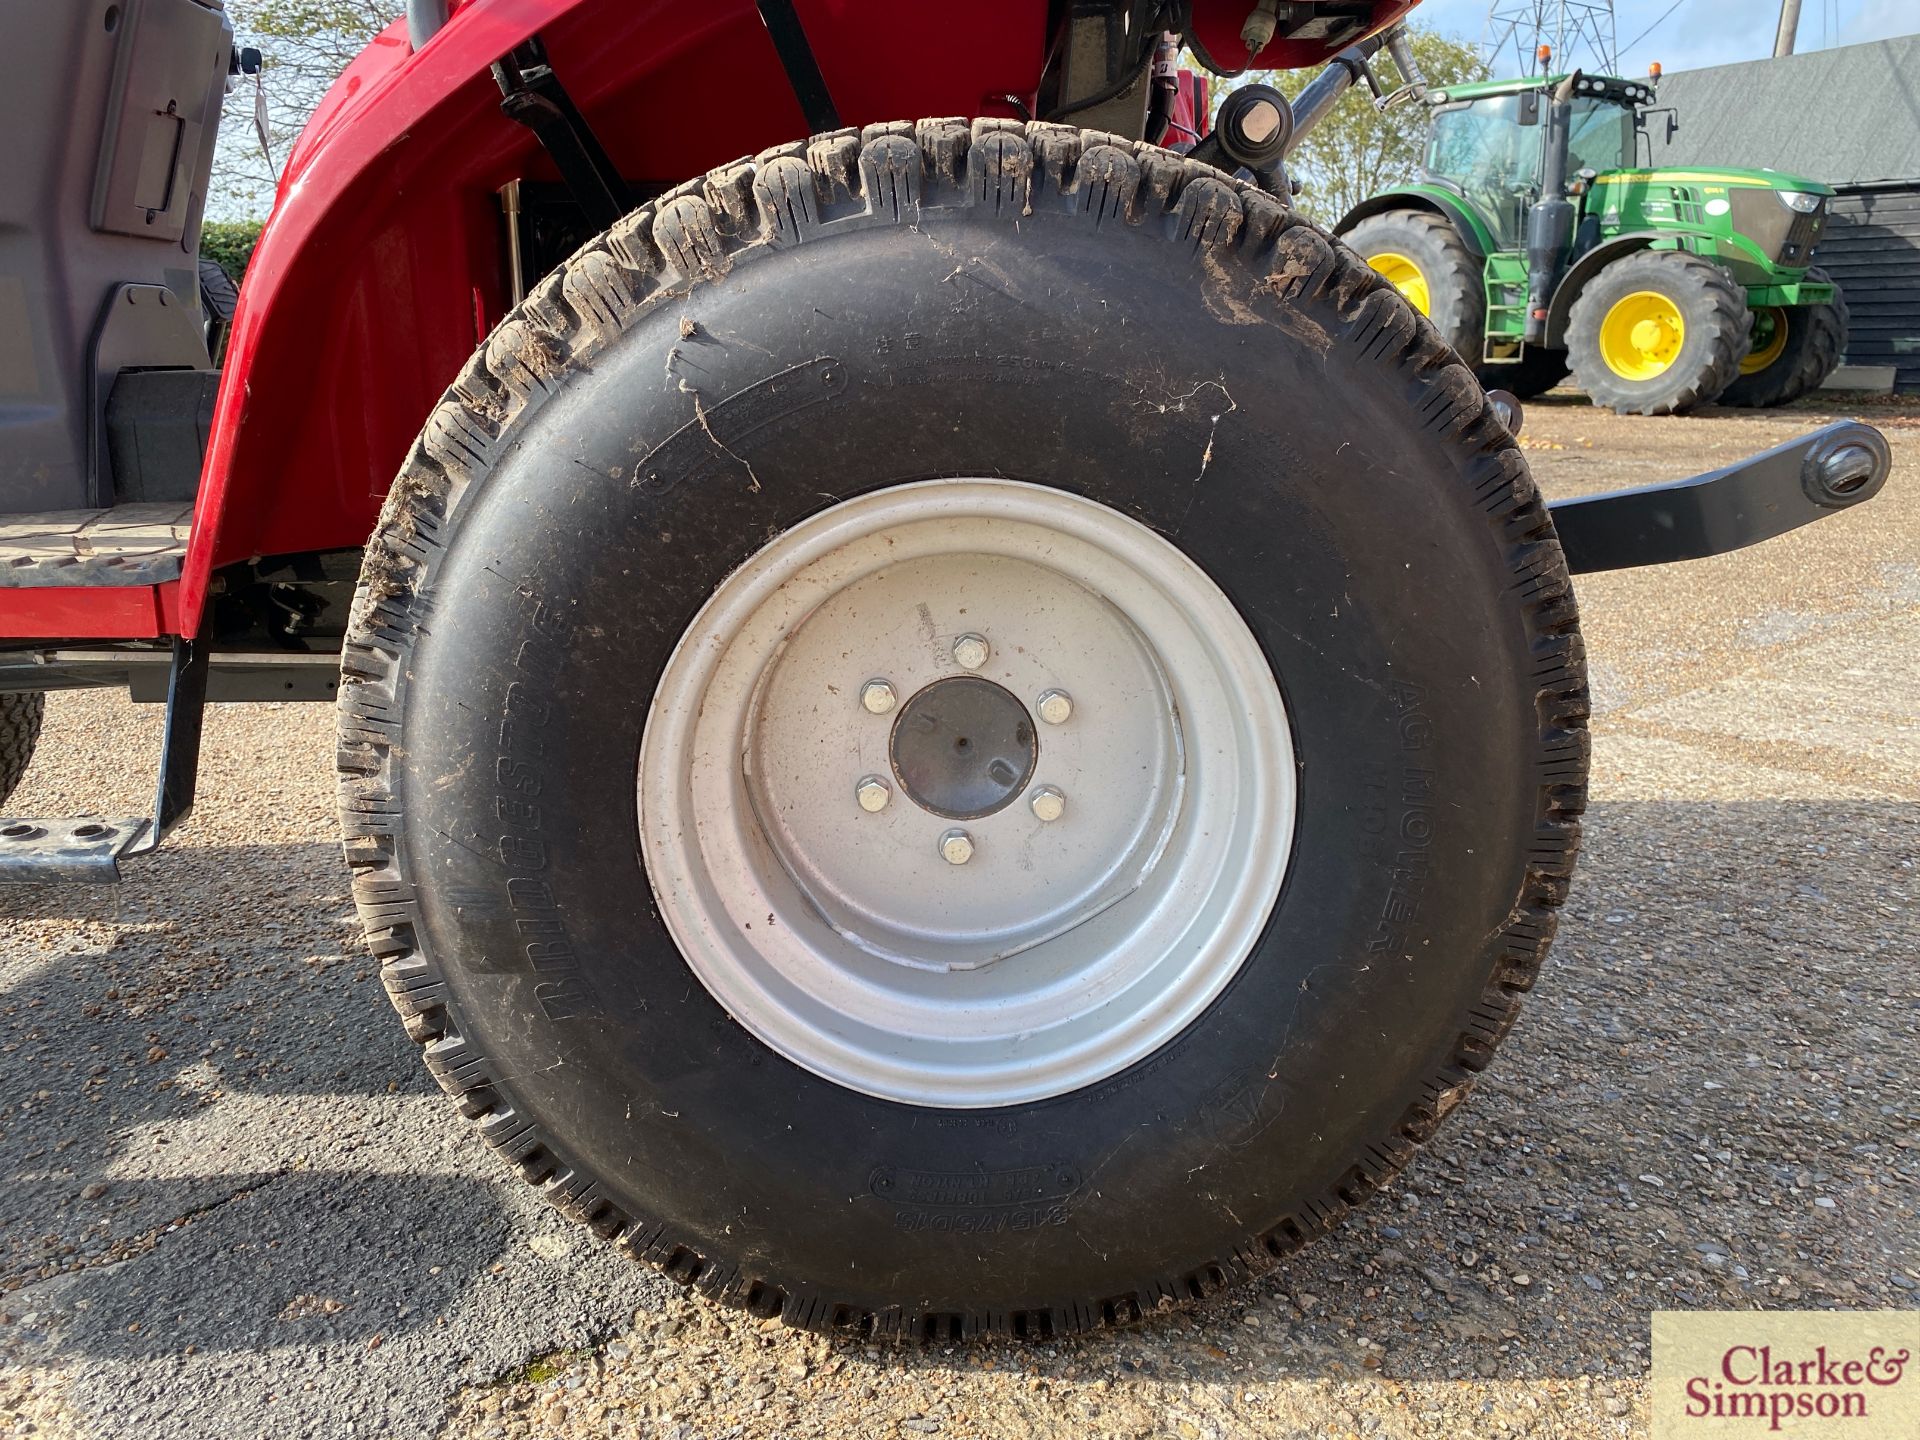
[1456, 293]
[1816, 339]
[1712, 307]
[1534, 373]
[1025, 301]
[219, 297]
[21, 714]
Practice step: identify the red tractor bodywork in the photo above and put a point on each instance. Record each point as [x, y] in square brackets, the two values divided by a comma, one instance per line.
[381, 268]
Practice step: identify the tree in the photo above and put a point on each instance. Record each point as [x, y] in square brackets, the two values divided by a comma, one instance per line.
[304, 45]
[1354, 152]
[1358, 150]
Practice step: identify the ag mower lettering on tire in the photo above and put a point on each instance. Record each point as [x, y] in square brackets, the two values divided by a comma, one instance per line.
[962, 727]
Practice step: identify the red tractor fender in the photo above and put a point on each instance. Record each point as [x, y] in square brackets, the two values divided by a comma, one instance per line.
[381, 268]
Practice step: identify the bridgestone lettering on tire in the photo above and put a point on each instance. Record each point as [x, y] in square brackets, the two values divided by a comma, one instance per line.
[1052, 330]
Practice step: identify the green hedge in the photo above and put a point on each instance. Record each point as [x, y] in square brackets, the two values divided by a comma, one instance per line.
[230, 242]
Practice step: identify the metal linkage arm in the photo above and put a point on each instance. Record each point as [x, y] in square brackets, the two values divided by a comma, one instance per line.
[1741, 504]
[1312, 104]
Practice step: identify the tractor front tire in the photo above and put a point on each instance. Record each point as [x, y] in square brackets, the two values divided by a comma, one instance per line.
[1423, 257]
[1795, 349]
[1657, 332]
[21, 714]
[961, 730]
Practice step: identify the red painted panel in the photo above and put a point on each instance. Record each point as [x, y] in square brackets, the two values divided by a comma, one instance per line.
[360, 304]
[87, 612]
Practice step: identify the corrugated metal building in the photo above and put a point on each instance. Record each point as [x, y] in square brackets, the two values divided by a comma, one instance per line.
[1848, 116]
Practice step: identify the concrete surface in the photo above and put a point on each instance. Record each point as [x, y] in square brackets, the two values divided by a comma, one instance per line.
[234, 1206]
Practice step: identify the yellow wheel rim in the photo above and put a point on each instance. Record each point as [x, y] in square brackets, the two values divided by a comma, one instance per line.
[1769, 339]
[1404, 276]
[1641, 335]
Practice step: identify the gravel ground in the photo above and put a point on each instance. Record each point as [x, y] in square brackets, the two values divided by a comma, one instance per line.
[234, 1207]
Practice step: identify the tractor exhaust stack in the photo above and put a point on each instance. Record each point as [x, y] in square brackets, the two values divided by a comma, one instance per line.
[1550, 225]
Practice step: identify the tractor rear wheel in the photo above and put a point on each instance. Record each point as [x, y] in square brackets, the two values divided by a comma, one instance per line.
[961, 730]
[21, 714]
[1795, 349]
[1657, 332]
[1424, 258]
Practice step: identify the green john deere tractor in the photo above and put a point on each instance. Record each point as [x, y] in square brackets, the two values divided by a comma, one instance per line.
[1533, 242]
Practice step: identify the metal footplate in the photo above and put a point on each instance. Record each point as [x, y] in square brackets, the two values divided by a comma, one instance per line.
[1755, 499]
[73, 852]
[88, 850]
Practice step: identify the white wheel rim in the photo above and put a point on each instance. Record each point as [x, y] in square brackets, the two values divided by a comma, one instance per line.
[1058, 952]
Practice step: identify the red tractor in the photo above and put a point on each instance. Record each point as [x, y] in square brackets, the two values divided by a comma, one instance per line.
[964, 725]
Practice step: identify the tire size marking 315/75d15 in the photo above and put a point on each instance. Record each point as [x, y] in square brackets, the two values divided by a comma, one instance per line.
[561, 991]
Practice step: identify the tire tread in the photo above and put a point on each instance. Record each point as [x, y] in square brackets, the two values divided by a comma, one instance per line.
[691, 236]
[21, 715]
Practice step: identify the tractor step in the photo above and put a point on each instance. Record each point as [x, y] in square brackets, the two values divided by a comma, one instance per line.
[1505, 277]
[80, 851]
[133, 544]
[88, 850]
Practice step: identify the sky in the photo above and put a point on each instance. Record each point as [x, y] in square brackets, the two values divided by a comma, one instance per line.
[1695, 33]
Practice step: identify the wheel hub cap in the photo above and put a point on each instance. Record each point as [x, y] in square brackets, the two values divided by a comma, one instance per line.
[1119, 761]
[964, 748]
[1641, 336]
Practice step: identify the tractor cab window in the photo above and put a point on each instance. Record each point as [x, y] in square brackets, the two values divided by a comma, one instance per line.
[1601, 137]
[1481, 147]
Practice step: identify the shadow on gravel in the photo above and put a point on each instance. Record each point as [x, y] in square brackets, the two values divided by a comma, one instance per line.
[231, 1201]
[200, 1045]
[293, 1259]
[1709, 1102]
[205, 889]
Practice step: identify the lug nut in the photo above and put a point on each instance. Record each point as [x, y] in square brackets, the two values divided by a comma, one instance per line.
[956, 847]
[1048, 804]
[873, 793]
[1055, 706]
[970, 651]
[878, 697]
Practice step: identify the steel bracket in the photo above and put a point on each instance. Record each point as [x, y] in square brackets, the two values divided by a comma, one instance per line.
[88, 850]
